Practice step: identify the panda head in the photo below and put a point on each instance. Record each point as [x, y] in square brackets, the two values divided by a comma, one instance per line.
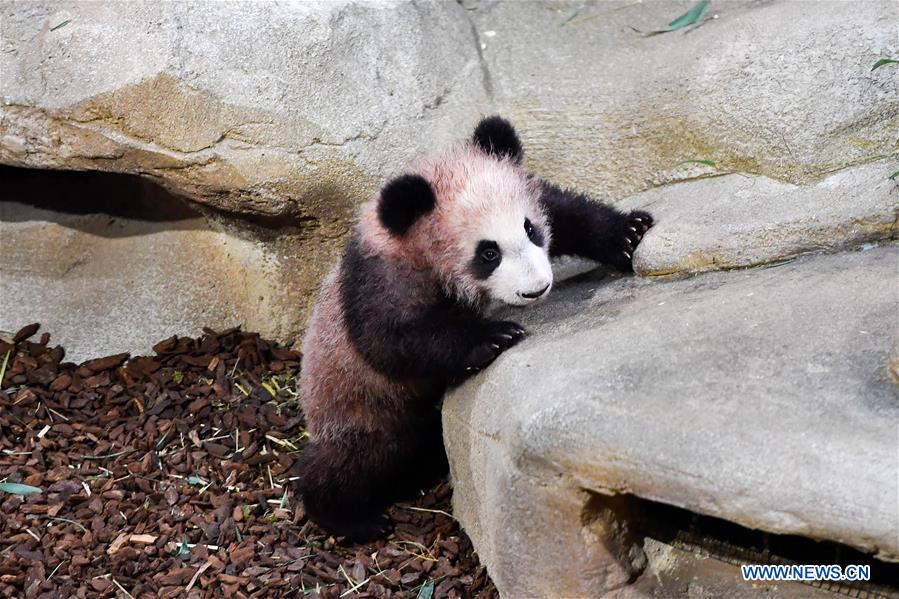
[473, 216]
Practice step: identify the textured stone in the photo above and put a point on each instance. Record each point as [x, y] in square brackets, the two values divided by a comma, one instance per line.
[295, 108]
[736, 221]
[759, 396]
[112, 264]
[291, 113]
[778, 88]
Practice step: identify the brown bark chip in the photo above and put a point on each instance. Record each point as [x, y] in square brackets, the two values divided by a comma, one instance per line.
[159, 477]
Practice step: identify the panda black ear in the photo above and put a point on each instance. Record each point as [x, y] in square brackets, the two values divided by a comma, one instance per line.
[403, 201]
[496, 136]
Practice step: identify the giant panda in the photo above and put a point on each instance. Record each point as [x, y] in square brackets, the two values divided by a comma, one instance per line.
[402, 316]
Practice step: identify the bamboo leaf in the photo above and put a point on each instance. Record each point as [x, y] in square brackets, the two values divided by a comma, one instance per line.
[19, 489]
[883, 62]
[690, 17]
[427, 590]
[710, 163]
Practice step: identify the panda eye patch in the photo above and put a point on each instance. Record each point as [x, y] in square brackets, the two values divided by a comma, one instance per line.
[487, 257]
[533, 233]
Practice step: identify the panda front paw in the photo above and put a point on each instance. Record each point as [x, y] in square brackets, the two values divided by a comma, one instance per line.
[634, 226]
[499, 337]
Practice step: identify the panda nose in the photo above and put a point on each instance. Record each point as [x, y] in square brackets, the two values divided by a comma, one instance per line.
[535, 294]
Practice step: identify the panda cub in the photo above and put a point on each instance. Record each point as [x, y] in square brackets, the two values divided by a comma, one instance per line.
[402, 315]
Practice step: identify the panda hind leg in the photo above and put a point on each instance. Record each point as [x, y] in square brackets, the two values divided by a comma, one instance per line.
[347, 483]
[341, 487]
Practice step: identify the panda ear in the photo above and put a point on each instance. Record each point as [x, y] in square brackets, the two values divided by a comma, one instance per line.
[403, 201]
[496, 136]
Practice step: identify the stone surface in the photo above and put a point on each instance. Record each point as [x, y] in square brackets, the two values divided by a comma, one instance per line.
[673, 572]
[777, 88]
[289, 114]
[303, 108]
[760, 396]
[734, 221]
[295, 108]
[115, 281]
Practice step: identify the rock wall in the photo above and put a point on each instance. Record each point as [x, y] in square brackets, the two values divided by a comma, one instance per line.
[279, 118]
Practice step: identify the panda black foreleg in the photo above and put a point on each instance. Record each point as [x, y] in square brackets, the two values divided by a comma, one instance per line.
[447, 344]
[585, 227]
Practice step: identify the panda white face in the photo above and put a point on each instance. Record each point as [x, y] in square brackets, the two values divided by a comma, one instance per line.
[512, 263]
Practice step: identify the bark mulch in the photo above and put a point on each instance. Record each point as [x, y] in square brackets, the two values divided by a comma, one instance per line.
[169, 476]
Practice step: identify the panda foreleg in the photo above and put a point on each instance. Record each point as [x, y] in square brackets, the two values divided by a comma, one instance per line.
[498, 337]
[582, 226]
[443, 344]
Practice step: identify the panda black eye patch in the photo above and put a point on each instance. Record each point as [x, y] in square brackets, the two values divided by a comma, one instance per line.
[533, 233]
[486, 258]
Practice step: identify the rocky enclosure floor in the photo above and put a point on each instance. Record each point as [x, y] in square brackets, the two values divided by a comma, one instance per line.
[169, 475]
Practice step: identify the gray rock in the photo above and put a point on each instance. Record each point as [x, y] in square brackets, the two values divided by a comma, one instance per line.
[291, 113]
[102, 285]
[269, 108]
[734, 221]
[760, 396]
[770, 88]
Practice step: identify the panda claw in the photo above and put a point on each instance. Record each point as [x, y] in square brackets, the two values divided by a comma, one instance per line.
[626, 254]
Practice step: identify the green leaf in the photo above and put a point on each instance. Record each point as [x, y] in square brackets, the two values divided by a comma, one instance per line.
[894, 175]
[882, 62]
[710, 163]
[426, 591]
[17, 489]
[193, 479]
[177, 377]
[183, 549]
[689, 17]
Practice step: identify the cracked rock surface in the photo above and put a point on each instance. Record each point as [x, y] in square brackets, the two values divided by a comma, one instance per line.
[737, 220]
[767, 88]
[761, 396]
[266, 108]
